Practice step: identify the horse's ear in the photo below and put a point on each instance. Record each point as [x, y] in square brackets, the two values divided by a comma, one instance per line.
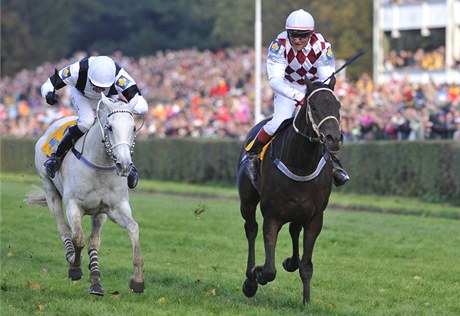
[332, 83]
[310, 85]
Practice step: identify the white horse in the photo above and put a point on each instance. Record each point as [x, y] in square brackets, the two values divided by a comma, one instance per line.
[92, 181]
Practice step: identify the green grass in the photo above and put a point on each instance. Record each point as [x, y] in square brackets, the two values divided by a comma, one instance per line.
[194, 251]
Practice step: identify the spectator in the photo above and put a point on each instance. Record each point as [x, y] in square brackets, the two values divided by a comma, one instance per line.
[179, 95]
[456, 135]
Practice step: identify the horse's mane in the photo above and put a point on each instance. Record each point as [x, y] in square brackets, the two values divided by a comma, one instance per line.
[320, 84]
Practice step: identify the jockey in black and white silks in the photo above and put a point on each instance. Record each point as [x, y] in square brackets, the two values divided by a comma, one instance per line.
[88, 78]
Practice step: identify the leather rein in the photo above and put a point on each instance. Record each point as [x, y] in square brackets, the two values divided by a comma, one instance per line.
[309, 119]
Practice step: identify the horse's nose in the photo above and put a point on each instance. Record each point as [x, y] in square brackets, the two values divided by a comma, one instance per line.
[123, 169]
[334, 143]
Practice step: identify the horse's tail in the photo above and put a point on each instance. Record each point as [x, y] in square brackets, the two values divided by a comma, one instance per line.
[36, 197]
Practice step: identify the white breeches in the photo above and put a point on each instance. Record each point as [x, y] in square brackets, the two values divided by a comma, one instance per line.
[284, 109]
[85, 109]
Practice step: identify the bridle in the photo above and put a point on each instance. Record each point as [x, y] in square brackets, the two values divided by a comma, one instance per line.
[327, 153]
[106, 128]
[309, 119]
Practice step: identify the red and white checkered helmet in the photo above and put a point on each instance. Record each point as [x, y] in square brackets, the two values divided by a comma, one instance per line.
[300, 20]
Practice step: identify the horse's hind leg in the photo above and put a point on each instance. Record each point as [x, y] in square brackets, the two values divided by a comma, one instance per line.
[54, 201]
[74, 215]
[248, 212]
[291, 264]
[311, 232]
[124, 219]
[249, 198]
[94, 242]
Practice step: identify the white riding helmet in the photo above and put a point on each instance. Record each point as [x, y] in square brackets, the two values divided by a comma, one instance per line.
[101, 71]
[300, 20]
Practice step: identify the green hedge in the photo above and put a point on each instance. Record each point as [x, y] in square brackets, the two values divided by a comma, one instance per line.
[188, 160]
[17, 155]
[426, 169]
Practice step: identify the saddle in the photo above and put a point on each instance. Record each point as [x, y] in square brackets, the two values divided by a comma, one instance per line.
[281, 128]
[53, 140]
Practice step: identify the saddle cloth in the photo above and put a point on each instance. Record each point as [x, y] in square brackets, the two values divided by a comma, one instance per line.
[264, 149]
[51, 143]
[283, 126]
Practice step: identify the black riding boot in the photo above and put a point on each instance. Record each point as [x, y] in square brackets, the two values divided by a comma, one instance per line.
[54, 161]
[252, 167]
[133, 177]
[340, 176]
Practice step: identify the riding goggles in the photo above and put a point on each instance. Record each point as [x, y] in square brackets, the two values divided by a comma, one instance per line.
[297, 34]
[100, 88]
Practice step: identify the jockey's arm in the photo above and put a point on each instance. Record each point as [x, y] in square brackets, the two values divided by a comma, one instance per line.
[275, 71]
[141, 106]
[66, 76]
[127, 86]
[325, 64]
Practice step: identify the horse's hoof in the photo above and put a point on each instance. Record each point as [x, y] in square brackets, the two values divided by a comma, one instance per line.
[250, 287]
[75, 274]
[290, 265]
[96, 289]
[257, 272]
[136, 287]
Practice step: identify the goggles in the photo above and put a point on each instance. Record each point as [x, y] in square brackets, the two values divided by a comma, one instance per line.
[297, 34]
[97, 87]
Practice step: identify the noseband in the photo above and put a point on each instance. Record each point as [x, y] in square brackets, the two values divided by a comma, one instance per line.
[309, 119]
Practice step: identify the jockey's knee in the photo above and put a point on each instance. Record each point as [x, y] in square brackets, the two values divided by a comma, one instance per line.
[84, 124]
[272, 125]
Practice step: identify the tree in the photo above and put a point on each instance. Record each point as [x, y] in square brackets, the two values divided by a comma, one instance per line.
[33, 33]
[348, 29]
[48, 30]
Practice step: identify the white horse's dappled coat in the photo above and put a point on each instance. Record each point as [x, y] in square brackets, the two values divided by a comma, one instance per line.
[94, 184]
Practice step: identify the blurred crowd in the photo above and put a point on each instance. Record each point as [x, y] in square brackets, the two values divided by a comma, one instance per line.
[420, 59]
[206, 94]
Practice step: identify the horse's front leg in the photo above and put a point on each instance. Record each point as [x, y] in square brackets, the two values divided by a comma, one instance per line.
[248, 212]
[311, 232]
[291, 264]
[123, 218]
[94, 242]
[267, 272]
[74, 215]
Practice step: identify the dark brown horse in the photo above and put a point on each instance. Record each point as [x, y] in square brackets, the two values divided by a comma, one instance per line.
[294, 186]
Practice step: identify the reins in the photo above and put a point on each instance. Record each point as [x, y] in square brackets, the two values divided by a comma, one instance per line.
[309, 118]
[105, 136]
[327, 154]
[105, 139]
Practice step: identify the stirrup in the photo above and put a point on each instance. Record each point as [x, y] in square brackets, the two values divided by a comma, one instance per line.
[52, 165]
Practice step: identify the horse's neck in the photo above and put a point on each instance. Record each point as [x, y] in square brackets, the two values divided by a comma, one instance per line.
[297, 151]
[91, 147]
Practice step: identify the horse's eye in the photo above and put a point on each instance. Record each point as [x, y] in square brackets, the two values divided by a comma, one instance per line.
[109, 127]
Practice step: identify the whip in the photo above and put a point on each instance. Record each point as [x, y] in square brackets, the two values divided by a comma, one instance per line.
[347, 63]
